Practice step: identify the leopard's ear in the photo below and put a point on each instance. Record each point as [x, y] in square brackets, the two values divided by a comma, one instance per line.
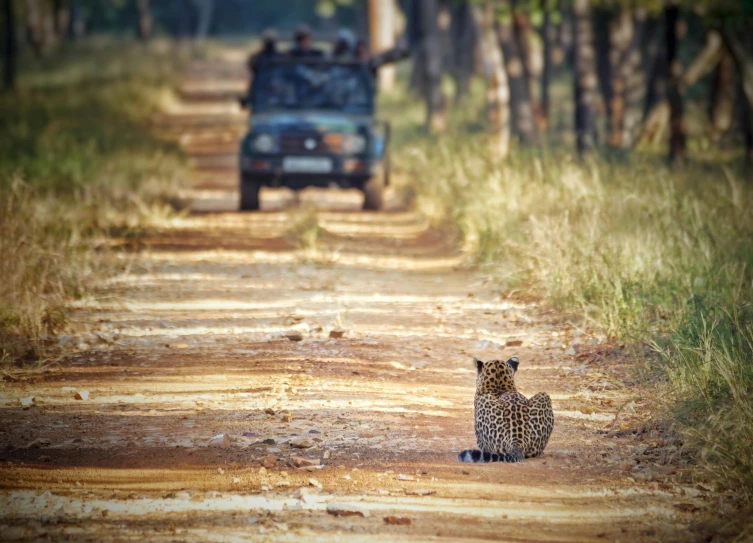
[479, 365]
[514, 363]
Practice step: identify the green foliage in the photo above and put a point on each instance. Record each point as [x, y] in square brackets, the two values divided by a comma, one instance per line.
[328, 8]
[229, 17]
[75, 111]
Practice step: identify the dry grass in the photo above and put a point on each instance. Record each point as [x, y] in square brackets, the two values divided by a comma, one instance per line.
[78, 161]
[708, 361]
[305, 229]
[38, 269]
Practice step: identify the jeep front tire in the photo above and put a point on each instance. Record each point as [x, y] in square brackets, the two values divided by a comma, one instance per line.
[250, 188]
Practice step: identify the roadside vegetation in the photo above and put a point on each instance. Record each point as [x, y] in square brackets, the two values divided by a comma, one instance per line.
[79, 162]
[657, 258]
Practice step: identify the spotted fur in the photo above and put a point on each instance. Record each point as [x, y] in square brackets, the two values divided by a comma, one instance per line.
[509, 427]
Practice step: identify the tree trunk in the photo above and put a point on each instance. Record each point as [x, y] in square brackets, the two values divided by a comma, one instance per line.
[677, 144]
[416, 82]
[34, 27]
[382, 37]
[428, 63]
[62, 20]
[705, 61]
[631, 66]
[564, 42]
[497, 90]
[747, 125]
[444, 24]
[399, 23]
[145, 19]
[626, 81]
[620, 35]
[414, 31]
[531, 56]
[657, 83]
[523, 121]
[722, 96]
[48, 34]
[744, 62]
[603, 26]
[585, 78]
[464, 37]
[185, 19]
[658, 117]
[10, 48]
[546, 68]
[78, 27]
[206, 13]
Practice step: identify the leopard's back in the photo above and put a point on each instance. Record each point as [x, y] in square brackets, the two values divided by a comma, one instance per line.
[509, 427]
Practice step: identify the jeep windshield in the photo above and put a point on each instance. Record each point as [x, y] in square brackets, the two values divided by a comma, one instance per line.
[286, 85]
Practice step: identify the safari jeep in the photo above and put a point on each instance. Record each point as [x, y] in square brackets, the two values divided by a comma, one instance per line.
[312, 124]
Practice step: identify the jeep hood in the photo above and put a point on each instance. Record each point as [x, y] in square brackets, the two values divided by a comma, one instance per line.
[309, 121]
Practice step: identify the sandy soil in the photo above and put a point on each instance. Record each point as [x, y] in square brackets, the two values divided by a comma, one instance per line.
[202, 420]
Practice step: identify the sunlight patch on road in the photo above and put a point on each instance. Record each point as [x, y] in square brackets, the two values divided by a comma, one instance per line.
[243, 391]
[374, 262]
[387, 230]
[394, 301]
[399, 218]
[225, 256]
[249, 222]
[189, 306]
[605, 417]
[197, 86]
[387, 402]
[209, 109]
[548, 506]
[206, 200]
[267, 332]
[154, 279]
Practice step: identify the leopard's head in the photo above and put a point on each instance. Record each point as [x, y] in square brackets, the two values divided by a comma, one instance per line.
[496, 376]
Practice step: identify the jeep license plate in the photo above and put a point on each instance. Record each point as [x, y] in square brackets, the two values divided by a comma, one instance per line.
[304, 164]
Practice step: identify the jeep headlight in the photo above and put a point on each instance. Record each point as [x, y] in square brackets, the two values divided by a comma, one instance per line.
[263, 143]
[354, 144]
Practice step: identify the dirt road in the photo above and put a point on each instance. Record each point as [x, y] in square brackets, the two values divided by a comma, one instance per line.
[216, 406]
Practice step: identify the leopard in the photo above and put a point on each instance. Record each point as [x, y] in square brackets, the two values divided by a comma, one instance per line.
[509, 427]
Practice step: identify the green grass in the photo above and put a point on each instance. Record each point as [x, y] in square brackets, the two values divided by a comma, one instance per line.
[643, 254]
[78, 160]
[708, 361]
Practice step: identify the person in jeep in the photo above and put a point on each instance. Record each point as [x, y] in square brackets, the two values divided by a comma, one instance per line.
[268, 50]
[304, 47]
[313, 123]
[344, 47]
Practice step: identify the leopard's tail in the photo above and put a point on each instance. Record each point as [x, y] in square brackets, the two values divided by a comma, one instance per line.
[476, 456]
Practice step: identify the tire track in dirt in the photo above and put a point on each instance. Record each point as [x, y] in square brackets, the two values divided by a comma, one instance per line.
[190, 342]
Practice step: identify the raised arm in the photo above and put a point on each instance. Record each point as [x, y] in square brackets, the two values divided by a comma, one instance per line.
[395, 54]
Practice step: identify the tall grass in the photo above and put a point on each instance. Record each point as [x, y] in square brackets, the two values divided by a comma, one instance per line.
[37, 268]
[78, 160]
[709, 362]
[644, 254]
